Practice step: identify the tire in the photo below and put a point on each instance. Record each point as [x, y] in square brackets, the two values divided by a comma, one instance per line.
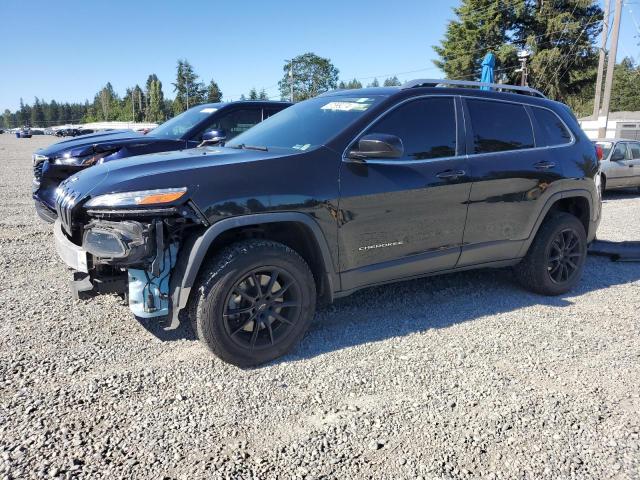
[252, 278]
[539, 272]
[603, 186]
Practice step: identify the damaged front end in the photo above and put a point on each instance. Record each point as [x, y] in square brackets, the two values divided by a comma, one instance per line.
[119, 245]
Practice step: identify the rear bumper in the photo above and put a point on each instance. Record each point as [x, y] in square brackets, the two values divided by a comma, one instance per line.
[70, 253]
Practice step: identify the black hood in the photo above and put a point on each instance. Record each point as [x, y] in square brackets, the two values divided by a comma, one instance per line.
[185, 168]
[95, 142]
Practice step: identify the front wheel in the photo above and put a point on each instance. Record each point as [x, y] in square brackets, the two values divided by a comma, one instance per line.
[254, 302]
[555, 261]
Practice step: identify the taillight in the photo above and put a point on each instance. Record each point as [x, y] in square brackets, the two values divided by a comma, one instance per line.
[599, 152]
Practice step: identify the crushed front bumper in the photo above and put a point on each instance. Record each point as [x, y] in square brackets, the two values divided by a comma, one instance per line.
[70, 253]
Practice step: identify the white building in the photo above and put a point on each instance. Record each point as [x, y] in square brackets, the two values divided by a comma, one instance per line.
[620, 125]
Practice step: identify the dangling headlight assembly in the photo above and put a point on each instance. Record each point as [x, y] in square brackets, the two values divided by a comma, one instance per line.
[142, 198]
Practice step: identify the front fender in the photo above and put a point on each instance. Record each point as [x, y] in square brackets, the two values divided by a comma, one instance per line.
[195, 249]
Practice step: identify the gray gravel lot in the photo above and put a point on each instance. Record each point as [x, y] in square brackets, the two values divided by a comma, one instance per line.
[461, 376]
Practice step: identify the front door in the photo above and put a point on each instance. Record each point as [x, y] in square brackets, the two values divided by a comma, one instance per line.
[620, 166]
[404, 216]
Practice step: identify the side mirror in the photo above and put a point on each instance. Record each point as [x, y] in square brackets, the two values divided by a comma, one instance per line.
[617, 156]
[213, 137]
[377, 145]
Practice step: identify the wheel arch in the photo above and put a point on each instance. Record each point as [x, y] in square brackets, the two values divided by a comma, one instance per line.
[313, 247]
[576, 202]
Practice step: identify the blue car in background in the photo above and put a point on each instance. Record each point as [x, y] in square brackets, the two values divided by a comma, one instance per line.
[207, 124]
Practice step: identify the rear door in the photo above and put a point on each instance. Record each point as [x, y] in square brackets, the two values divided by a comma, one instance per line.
[514, 172]
[634, 170]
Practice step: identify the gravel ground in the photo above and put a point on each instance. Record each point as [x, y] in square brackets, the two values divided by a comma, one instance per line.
[462, 376]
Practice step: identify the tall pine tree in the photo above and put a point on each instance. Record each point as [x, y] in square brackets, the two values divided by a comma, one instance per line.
[189, 90]
[214, 94]
[560, 35]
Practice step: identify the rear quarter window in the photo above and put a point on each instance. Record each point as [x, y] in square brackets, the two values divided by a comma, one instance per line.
[552, 129]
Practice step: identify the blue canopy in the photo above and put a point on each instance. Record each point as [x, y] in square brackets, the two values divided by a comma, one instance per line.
[487, 69]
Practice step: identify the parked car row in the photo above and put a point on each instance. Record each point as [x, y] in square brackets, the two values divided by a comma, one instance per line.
[245, 215]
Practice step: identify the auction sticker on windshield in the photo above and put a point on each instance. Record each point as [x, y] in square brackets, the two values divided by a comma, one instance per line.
[358, 105]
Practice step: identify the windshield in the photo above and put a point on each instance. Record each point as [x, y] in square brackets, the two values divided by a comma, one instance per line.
[606, 148]
[176, 127]
[306, 124]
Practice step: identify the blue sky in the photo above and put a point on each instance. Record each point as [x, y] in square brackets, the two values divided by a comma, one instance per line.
[68, 49]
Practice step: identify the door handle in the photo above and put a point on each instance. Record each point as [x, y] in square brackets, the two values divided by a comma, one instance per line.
[451, 174]
[544, 165]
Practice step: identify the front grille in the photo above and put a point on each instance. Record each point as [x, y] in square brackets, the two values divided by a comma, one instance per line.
[37, 170]
[66, 199]
[38, 164]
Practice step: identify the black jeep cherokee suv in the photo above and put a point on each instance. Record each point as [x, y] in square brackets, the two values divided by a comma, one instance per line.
[344, 191]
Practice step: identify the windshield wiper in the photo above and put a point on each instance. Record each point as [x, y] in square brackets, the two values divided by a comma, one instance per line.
[251, 147]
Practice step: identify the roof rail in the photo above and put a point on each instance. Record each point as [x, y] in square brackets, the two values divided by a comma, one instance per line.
[464, 83]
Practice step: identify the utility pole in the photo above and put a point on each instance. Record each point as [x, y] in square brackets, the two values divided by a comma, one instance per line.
[187, 94]
[291, 79]
[523, 57]
[603, 54]
[611, 63]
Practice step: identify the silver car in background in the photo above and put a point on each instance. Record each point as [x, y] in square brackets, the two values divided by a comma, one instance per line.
[620, 165]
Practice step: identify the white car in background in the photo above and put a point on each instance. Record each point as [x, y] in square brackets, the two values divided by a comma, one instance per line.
[620, 164]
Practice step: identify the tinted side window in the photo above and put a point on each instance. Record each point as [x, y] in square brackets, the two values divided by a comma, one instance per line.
[267, 112]
[499, 126]
[238, 121]
[427, 128]
[635, 150]
[553, 130]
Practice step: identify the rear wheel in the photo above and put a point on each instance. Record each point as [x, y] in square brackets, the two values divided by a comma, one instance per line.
[254, 302]
[555, 261]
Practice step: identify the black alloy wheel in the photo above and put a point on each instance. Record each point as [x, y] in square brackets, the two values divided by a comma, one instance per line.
[262, 307]
[253, 301]
[564, 256]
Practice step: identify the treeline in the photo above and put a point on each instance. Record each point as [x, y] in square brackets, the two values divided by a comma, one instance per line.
[138, 104]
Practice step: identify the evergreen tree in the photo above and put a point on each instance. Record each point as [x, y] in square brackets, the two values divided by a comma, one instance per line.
[9, 120]
[392, 82]
[20, 114]
[108, 104]
[625, 93]
[51, 116]
[147, 86]
[189, 90]
[253, 94]
[312, 75]
[560, 35]
[375, 83]
[37, 114]
[481, 26]
[156, 102]
[351, 85]
[242, 97]
[263, 95]
[214, 94]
